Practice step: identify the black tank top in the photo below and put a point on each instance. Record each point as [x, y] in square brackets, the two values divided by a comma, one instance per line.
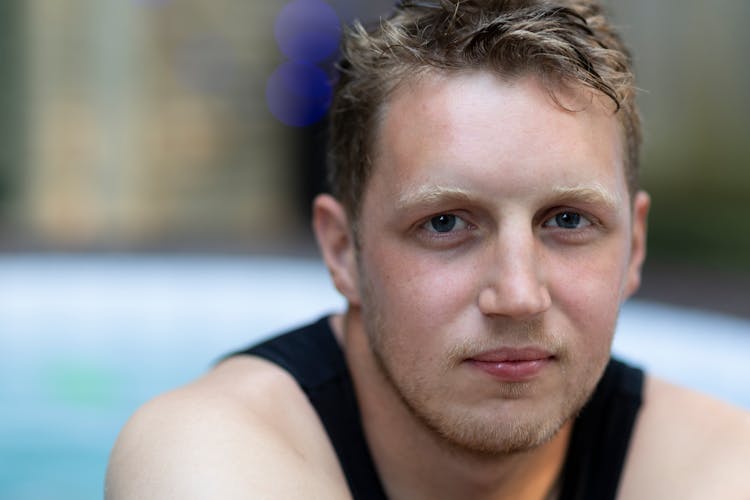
[596, 452]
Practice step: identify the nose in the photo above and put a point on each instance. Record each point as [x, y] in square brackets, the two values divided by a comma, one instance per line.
[512, 282]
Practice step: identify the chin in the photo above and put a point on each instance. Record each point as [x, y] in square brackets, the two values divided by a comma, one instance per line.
[502, 432]
[495, 427]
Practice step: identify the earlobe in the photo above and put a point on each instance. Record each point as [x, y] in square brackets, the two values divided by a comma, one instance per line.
[641, 206]
[336, 243]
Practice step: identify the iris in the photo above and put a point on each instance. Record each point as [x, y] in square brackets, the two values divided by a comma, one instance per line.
[568, 220]
[443, 223]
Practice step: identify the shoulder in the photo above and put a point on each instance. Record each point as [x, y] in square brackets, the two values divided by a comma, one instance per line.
[244, 429]
[687, 445]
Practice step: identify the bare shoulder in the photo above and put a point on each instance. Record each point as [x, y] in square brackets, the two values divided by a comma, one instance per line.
[687, 445]
[244, 430]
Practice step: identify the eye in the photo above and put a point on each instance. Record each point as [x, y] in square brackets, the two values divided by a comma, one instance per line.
[445, 223]
[568, 220]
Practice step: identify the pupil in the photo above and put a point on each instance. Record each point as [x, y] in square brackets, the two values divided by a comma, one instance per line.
[443, 223]
[568, 220]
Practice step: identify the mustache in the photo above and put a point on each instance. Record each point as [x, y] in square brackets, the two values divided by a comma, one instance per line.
[502, 334]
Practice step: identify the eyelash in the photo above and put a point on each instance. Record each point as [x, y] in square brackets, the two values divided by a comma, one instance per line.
[457, 235]
[571, 235]
[589, 220]
[452, 236]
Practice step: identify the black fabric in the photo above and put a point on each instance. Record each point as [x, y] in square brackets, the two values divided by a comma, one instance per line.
[601, 435]
[596, 452]
[313, 357]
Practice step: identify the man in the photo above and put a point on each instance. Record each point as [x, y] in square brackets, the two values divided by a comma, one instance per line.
[485, 227]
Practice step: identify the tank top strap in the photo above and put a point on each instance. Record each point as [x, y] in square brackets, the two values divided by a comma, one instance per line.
[314, 358]
[601, 435]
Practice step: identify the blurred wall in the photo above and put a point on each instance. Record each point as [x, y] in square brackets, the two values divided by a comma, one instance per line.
[691, 63]
[12, 128]
[144, 124]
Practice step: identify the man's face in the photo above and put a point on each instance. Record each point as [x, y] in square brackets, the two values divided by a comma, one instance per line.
[497, 243]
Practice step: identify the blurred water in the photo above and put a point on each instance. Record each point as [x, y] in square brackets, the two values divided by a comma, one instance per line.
[84, 340]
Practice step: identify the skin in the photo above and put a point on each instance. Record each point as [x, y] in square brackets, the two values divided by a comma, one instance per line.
[543, 245]
[507, 274]
[424, 303]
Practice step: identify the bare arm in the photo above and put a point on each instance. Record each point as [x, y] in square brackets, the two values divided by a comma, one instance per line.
[244, 431]
[689, 446]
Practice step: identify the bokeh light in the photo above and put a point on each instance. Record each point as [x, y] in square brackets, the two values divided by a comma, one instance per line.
[298, 93]
[308, 31]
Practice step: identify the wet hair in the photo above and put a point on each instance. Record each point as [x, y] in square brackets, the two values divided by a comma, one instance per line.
[564, 43]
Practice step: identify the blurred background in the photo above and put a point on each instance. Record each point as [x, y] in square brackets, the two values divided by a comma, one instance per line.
[157, 162]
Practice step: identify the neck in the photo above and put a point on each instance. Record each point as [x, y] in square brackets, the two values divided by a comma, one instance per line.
[413, 462]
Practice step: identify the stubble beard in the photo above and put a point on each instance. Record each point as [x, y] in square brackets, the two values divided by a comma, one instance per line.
[468, 432]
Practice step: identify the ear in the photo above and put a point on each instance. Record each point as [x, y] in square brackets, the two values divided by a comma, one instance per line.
[641, 206]
[336, 243]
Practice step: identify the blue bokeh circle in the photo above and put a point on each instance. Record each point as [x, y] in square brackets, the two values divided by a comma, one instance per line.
[298, 94]
[308, 31]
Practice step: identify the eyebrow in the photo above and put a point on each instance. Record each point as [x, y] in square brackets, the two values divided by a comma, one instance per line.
[426, 195]
[589, 193]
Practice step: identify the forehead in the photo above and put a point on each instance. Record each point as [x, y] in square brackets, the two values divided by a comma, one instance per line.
[476, 131]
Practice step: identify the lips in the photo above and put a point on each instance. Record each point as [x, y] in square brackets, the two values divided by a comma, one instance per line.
[511, 355]
[513, 365]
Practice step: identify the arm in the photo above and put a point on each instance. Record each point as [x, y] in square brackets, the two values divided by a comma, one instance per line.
[244, 431]
[688, 445]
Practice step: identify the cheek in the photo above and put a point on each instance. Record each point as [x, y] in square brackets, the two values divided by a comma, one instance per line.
[418, 289]
[590, 297]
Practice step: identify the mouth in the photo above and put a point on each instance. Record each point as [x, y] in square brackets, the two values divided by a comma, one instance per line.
[513, 365]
